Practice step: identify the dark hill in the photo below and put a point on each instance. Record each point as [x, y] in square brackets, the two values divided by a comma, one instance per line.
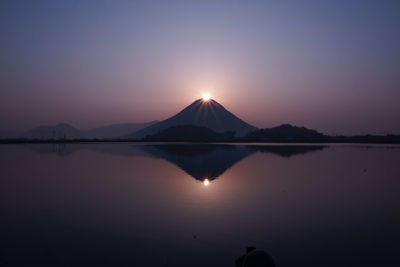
[60, 131]
[116, 130]
[189, 133]
[286, 133]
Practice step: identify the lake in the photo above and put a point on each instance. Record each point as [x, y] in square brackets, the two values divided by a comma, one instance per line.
[126, 204]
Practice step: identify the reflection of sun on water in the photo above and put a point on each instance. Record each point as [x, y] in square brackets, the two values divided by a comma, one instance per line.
[206, 182]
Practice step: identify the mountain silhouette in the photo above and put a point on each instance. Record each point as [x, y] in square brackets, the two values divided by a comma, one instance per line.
[116, 130]
[64, 131]
[189, 133]
[201, 113]
[284, 133]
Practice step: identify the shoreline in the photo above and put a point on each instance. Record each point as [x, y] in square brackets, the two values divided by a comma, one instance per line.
[274, 142]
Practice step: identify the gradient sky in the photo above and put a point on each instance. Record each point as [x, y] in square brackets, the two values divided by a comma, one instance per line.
[329, 65]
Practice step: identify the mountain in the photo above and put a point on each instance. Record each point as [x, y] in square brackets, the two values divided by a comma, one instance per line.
[65, 131]
[116, 130]
[189, 133]
[60, 131]
[201, 113]
[284, 133]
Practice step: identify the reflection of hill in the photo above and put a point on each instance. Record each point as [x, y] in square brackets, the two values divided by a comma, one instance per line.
[60, 149]
[66, 149]
[287, 150]
[200, 161]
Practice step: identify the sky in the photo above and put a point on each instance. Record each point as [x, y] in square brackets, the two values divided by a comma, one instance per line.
[333, 66]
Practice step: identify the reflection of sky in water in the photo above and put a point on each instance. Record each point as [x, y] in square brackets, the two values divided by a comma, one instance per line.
[121, 206]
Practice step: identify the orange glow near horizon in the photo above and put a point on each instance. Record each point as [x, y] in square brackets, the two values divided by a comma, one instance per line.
[206, 182]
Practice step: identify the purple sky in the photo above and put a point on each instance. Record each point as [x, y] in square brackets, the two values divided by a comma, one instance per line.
[333, 66]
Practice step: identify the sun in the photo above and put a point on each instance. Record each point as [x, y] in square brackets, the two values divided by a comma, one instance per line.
[206, 182]
[206, 97]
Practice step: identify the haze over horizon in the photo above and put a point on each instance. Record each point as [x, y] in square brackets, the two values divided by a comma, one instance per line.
[333, 66]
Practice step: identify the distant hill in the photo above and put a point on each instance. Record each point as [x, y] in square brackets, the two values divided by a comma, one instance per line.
[189, 133]
[52, 132]
[285, 133]
[375, 139]
[64, 131]
[116, 130]
[201, 113]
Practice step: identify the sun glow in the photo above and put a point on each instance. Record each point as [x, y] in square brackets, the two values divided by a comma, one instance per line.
[206, 97]
[206, 182]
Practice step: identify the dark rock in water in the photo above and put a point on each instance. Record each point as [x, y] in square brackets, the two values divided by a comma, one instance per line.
[255, 258]
[258, 258]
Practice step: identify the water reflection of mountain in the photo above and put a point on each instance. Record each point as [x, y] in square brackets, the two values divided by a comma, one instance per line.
[201, 161]
[287, 150]
[208, 161]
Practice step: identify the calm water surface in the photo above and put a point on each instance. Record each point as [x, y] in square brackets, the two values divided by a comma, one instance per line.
[151, 205]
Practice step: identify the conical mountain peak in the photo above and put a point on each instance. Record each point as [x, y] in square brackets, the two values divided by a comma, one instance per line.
[204, 113]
